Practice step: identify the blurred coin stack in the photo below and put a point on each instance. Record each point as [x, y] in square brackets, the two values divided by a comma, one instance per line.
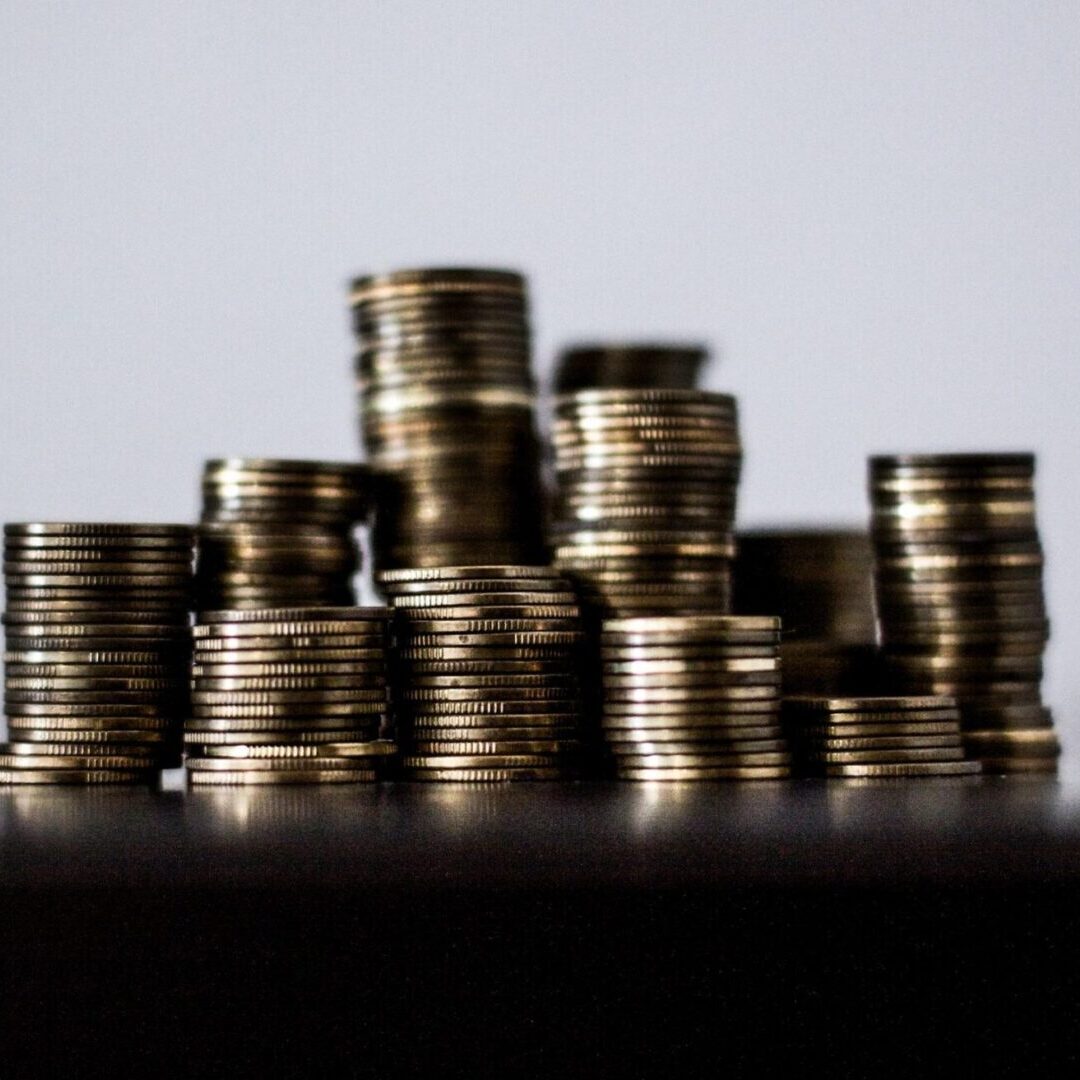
[645, 499]
[876, 737]
[487, 672]
[289, 696]
[98, 646]
[820, 581]
[279, 533]
[958, 580]
[630, 366]
[447, 413]
[693, 698]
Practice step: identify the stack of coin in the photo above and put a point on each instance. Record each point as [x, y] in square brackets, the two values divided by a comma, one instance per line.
[645, 500]
[447, 410]
[290, 696]
[820, 581]
[958, 579]
[876, 737]
[630, 366]
[488, 672]
[277, 533]
[693, 698]
[98, 646]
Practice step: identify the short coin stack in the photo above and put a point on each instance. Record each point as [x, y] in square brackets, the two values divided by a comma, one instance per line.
[877, 737]
[447, 401]
[960, 596]
[487, 671]
[645, 499]
[288, 696]
[278, 533]
[98, 646]
[693, 698]
[639, 366]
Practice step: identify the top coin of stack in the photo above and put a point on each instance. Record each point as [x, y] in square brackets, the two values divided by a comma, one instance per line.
[98, 644]
[645, 499]
[959, 591]
[447, 400]
[279, 533]
[630, 366]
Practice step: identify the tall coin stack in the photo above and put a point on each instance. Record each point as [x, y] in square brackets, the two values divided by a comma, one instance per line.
[289, 696]
[820, 581]
[638, 366]
[447, 413]
[488, 669]
[693, 698]
[98, 647]
[279, 533]
[645, 499]
[960, 596]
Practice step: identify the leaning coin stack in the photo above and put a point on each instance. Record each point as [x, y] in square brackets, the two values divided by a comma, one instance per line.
[278, 533]
[820, 581]
[693, 698]
[630, 366]
[958, 580]
[98, 646]
[447, 412]
[289, 696]
[876, 737]
[645, 499]
[488, 672]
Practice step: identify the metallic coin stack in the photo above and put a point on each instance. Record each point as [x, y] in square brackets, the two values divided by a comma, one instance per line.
[876, 737]
[289, 696]
[98, 646]
[488, 672]
[277, 533]
[693, 698]
[630, 366]
[447, 401]
[958, 578]
[645, 500]
[820, 581]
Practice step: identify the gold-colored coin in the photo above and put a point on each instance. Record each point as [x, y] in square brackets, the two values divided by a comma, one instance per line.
[276, 657]
[499, 747]
[894, 729]
[322, 762]
[887, 757]
[129, 740]
[513, 707]
[345, 749]
[143, 753]
[735, 772]
[486, 776]
[211, 740]
[377, 615]
[768, 742]
[240, 778]
[284, 628]
[250, 716]
[368, 683]
[287, 697]
[908, 769]
[95, 760]
[73, 776]
[703, 760]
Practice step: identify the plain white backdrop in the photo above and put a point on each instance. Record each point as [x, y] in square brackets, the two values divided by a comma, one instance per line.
[872, 210]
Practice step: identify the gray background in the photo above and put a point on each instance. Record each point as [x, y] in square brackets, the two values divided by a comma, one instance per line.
[871, 209]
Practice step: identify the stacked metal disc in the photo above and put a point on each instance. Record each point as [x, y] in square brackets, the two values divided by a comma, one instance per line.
[447, 401]
[645, 499]
[289, 696]
[960, 596]
[98, 647]
[821, 583]
[877, 737]
[693, 698]
[487, 677]
[279, 533]
[626, 366]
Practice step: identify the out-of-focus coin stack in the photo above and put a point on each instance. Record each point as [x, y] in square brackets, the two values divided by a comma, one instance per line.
[487, 675]
[289, 696]
[645, 499]
[958, 579]
[820, 581]
[876, 737]
[630, 366]
[693, 698]
[279, 533]
[98, 646]
[447, 413]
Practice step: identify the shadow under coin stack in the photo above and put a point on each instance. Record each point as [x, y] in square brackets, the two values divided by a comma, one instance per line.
[289, 696]
[447, 407]
[644, 366]
[98, 646]
[959, 591]
[645, 499]
[278, 533]
[876, 737]
[488, 662]
[693, 698]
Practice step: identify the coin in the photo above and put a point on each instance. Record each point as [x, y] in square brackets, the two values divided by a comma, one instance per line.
[906, 769]
[735, 772]
[304, 712]
[292, 643]
[73, 776]
[238, 777]
[121, 737]
[486, 775]
[94, 760]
